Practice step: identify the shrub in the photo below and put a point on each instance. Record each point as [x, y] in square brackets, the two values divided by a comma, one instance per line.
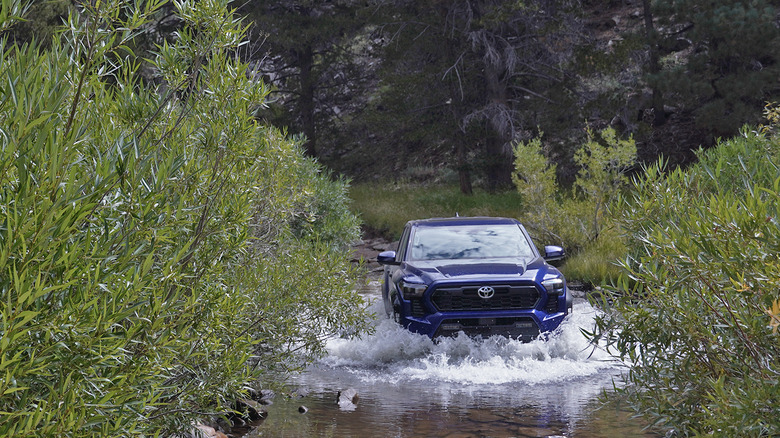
[602, 172]
[696, 322]
[151, 268]
[572, 219]
[536, 181]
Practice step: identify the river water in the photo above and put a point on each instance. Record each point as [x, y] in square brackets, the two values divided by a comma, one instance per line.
[410, 386]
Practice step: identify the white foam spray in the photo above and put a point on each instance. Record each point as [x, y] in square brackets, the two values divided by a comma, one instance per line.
[395, 355]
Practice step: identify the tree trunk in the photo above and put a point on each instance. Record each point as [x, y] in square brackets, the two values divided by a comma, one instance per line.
[464, 174]
[306, 99]
[498, 165]
[655, 66]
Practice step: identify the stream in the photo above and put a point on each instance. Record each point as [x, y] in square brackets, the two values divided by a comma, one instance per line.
[410, 386]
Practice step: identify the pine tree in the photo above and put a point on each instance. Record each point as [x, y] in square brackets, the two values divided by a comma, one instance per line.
[733, 64]
[305, 49]
[486, 70]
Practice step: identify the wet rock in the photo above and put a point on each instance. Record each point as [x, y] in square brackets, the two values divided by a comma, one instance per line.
[250, 410]
[365, 251]
[299, 393]
[222, 424]
[246, 415]
[209, 432]
[347, 399]
[266, 397]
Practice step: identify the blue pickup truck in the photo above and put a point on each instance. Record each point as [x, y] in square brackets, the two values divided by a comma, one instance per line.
[479, 275]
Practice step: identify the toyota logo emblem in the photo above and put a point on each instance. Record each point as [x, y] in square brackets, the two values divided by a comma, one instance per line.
[486, 292]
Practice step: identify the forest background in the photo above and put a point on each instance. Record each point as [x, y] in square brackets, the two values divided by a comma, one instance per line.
[439, 91]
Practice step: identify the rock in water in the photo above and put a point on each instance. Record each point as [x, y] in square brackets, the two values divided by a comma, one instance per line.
[347, 399]
[251, 410]
[210, 432]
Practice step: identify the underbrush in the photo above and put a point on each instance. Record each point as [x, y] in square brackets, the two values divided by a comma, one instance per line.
[597, 262]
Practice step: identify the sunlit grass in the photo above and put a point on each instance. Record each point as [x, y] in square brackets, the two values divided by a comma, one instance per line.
[597, 262]
[385, 209]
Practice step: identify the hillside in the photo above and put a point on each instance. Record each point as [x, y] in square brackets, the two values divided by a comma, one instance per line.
[417, 132]
[439, 91]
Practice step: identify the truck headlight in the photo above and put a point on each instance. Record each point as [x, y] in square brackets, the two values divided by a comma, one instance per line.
[413, 290]
[553, 286]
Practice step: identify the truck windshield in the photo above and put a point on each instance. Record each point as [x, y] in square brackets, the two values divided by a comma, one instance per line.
[469, 242]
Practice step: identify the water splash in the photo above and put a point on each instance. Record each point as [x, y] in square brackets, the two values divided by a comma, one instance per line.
[395, 355]
[412, 386]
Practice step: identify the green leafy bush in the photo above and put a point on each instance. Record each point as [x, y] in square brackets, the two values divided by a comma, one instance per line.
[152, 266]
[602, 172]
[572, 219]
[536, 181]
[695, 313]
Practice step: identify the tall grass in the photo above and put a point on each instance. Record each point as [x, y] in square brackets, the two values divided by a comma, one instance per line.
[385, 209]
[597, 263]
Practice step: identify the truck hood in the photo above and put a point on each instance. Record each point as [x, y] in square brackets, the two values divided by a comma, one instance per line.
[471, 269]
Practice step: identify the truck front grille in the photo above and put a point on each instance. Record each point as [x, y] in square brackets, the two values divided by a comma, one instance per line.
[506, 297]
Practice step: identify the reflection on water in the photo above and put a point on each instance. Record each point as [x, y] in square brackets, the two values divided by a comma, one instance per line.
[410, 386]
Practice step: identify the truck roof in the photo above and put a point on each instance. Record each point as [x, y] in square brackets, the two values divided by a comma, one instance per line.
[477, 220]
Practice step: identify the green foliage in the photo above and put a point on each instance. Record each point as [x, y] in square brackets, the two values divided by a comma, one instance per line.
[536, 182]
[695, 312]
[602, 171]
[772, 114]
[324, 214]
[152, 260]
[573, 220]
